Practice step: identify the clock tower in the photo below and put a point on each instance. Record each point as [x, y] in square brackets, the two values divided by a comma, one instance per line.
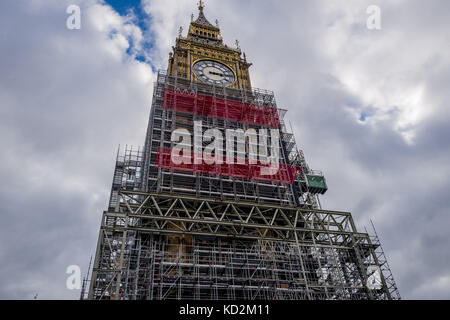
[202, 56]
[204, 229]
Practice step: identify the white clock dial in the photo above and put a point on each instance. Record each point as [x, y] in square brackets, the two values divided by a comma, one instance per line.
[214, 72]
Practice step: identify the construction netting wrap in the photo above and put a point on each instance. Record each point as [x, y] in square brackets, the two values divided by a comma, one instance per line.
[281, 172]
[216, 107]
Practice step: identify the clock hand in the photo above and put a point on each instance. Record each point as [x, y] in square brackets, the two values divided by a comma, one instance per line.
[216, 73]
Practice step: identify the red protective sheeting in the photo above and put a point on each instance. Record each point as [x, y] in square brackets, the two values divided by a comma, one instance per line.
[220, 108]
[285, 174]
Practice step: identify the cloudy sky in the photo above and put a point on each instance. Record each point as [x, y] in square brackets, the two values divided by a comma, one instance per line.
[368, 107]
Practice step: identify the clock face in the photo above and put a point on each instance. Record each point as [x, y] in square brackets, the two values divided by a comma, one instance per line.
[214, 72]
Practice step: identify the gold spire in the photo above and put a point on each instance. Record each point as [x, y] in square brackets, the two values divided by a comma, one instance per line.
[203, 41]
[201, 20]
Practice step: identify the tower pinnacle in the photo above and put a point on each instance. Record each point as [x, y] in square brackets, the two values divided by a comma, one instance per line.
[201, 20]
[201, 5]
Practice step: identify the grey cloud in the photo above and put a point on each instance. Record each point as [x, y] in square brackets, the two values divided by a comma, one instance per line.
[68, 98]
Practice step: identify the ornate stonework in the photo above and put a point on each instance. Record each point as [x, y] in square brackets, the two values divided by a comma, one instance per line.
[204, 42]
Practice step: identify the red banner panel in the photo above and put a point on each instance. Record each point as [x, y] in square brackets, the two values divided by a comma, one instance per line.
[220, 108]
[285, 173]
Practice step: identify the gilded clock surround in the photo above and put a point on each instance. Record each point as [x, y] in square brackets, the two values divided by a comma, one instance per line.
[231, 67]
[204, 42]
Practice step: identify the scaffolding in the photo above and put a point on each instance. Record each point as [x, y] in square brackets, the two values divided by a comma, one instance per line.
[161, 246]
[171, 233]
[170, 111]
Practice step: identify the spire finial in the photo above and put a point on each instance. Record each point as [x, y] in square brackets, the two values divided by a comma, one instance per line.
[217, 23]
[201, 5]
[180, 31]
[192, 17]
